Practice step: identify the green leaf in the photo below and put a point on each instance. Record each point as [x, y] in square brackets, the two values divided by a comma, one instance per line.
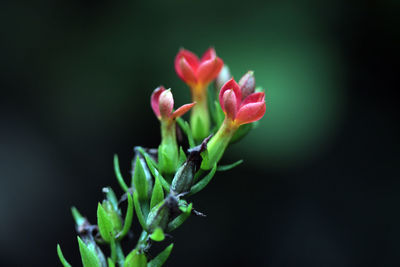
[160, 259]
[182, 156]
[128, 217]
[223, 168]
[140, 181]
[139, 212]
[110, 263]
[203, 182]
[88, 255]
[64, 262]
[135, 259]
[153, 170]
[104, 223]
[186, 129]
[78, 218]
[118, 174]
[158, 193]
[158, 235]
[175, 223]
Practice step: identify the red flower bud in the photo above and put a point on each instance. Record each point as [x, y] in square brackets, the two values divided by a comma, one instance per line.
[238, 111]
[247, 84]
[162, 103]
[195, 72]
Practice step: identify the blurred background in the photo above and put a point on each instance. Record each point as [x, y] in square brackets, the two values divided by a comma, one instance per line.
[319, 185]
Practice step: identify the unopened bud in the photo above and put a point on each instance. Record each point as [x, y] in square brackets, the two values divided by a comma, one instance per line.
[247, 84]
[223, 76]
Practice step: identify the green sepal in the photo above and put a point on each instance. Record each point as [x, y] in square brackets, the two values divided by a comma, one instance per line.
[139, 181]
[110, 262]
[175, 223]
[111, 197]
[157, 235]
[119, 175]
[158, 193]
[187, 130]
[219, 115]
[160, 259]
[158, 217]
[203, 182]
[135, 259]
[228, 167]
[128, 217]
[64, 262]
[241, 132]
[88, 255]
[139, 212]
[153, 169]
[105, 224]
[182, 156]
[78, 218]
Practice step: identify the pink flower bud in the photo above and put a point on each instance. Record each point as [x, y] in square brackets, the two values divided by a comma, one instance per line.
[195, 72]
[162, 103]
[247, 84]
[239, 112]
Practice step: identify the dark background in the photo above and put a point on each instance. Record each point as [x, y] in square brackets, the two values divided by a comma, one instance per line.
[320, 182]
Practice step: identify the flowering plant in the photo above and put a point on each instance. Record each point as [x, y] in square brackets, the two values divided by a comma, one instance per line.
[163, 178]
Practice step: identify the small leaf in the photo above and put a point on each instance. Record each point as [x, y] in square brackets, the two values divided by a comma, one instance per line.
[135, 259]
[175, 223]
[118, 174]
[187, 130]
[157, 235]
[139, 212]
[140, 181]
[64, 262]
[88, 255]
[78, 218]
[128, 217]
[203, 182]
[153, 170]
[104, 223]
[223, 168]
[182, 156]
[110, 263]
[158, 193]
[160, 259]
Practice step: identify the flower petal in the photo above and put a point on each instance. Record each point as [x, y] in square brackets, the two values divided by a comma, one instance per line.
[191, 58]
[209, 70]
[209, 54]
[254, 98]
[166, 103]
[182, 110]
[250, 112]
[230, 104]
[155, 96]
[187, 72]
[231, 84]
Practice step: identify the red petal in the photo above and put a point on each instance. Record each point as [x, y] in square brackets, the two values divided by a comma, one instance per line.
[230, 104]
[231, 84]
[191, 59]
[250, 112]
[166, 103]
[155, 96]
[188, 75]
[182, 110]
[254, 98]
[209, 54]
[209, 70]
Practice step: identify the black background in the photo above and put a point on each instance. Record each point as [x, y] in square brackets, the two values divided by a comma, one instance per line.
[75, 82]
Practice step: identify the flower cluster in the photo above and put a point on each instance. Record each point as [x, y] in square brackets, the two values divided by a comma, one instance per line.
[162, 177]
